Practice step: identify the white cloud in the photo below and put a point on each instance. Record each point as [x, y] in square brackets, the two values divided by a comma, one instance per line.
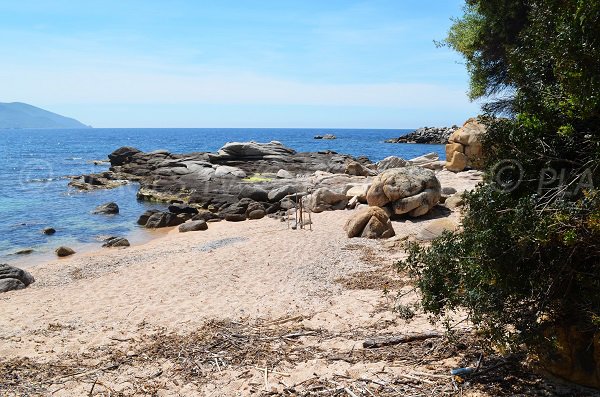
[128, 87]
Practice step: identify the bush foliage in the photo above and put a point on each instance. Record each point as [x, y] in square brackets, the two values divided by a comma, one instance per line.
[528, 256]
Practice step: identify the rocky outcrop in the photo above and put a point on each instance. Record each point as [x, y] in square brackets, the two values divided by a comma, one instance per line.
[464, 146]
[107, 209]
[370, 222]
[326, 136]
[409, 190]
[426, 135]
[12, 278]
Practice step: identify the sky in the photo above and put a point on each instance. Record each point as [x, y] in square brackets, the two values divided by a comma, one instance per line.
[235, 63]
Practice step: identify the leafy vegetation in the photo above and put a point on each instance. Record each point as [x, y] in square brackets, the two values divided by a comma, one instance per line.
[529, 255]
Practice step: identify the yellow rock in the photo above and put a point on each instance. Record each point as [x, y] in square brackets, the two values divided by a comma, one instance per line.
[457, 163]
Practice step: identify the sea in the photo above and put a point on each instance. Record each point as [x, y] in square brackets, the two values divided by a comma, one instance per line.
[35, 166]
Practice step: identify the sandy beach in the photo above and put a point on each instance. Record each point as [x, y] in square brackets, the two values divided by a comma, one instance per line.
[247, 308]
[259, 274]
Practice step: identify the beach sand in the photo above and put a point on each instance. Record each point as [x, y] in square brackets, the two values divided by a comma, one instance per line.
[241, 297]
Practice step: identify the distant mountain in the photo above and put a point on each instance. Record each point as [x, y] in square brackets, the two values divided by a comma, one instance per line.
[22, 115]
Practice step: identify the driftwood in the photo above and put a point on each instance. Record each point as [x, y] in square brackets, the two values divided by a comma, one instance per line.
[382, 341]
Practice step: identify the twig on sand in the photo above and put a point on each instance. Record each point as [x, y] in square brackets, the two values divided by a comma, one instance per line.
[382, 341]
[299, 334]
[93, 385]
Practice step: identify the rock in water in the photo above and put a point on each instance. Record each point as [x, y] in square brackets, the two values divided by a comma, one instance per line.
[193, 226]
[113, 242]
[370, 222]
[64, 251]
[412, 190]
[49, 231]
[12, 278]
[122, 155]
[107, 209]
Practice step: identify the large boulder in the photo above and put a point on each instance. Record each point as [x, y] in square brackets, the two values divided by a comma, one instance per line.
[193, 226]
[409, 190]
[12, 278]
[107, 209]
[464, 146]
[254, 193]
[324, 199]
[369, 222]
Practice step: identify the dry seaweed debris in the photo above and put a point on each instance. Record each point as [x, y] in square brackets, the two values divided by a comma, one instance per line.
[219, 351]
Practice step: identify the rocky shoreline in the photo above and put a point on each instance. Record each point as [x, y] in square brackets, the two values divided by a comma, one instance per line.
[433, 135]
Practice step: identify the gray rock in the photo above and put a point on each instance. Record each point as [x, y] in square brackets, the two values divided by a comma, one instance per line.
[235, 217]
[391, 162]
[254, 193]
[283, 174]
[252, 150]
[280, 193]
[64, 251]
[163, 219]
[12, 278]
[256, 214]
[49, 231]
[143, 219]
[182, 209]
[113, 242]
[107, 209]
[122, 155]
[193, 226]
[25, 251]
[448, 191]
[455, 201]
[224, 171]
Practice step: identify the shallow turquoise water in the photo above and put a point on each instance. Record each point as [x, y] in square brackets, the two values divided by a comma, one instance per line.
[34, 165]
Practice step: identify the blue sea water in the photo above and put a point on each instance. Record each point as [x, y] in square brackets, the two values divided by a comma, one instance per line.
[34, 165]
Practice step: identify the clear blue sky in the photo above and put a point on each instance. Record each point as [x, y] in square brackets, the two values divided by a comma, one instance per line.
[235, 63]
